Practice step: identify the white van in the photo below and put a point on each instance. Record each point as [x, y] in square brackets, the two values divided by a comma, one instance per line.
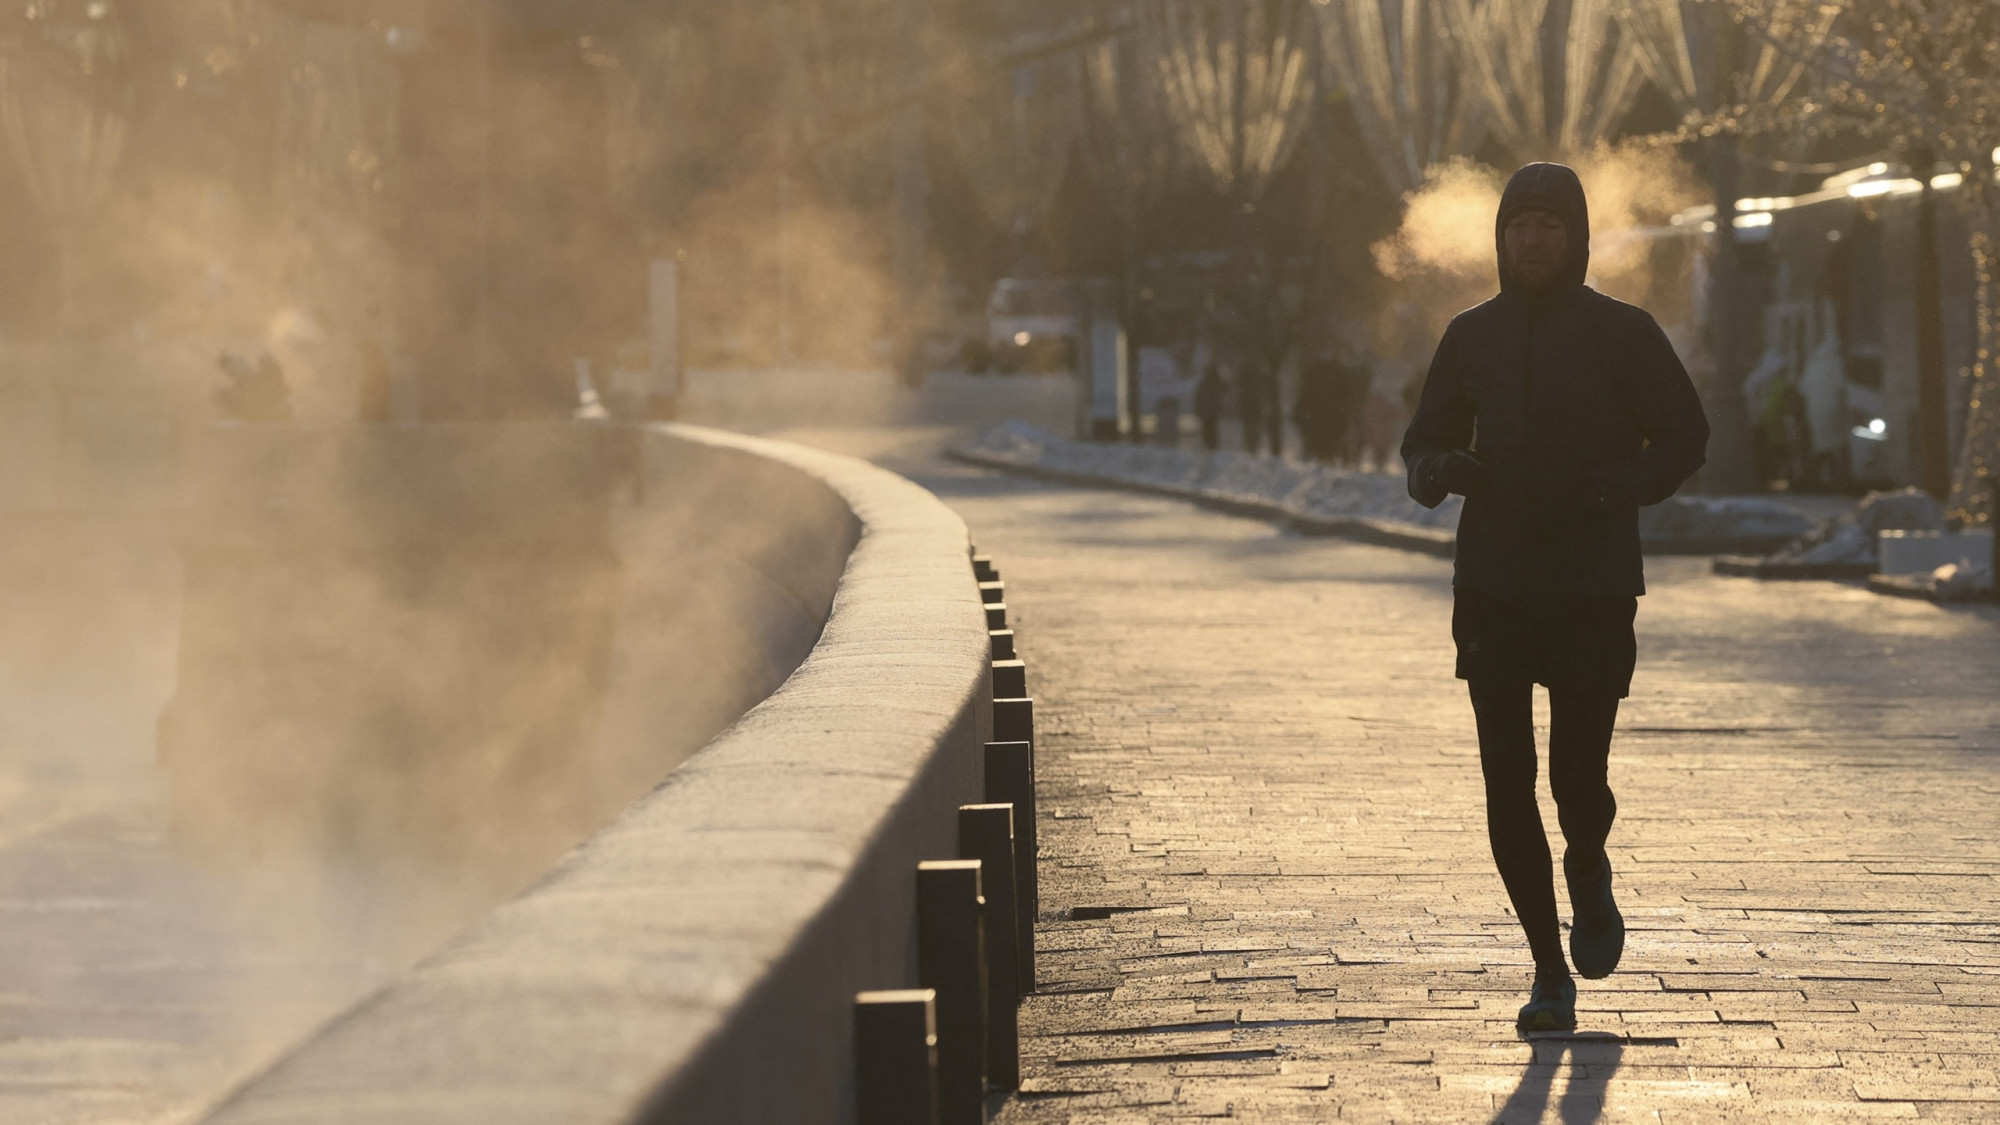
[1034, 324]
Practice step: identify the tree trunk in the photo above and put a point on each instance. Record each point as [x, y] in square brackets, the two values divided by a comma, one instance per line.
[1933, 413]
[1733, 338]
[1972, 498]
[1129, 303]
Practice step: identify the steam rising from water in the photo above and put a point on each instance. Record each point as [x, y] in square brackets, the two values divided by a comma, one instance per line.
[338, 193]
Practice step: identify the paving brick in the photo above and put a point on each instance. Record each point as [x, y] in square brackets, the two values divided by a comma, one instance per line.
[1255, 741]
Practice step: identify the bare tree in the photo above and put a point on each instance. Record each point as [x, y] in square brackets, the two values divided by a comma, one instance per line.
[1237, 80]
[1393, 62]
[1129, 141]
[1690, 57]
[846, 61]
[1552, 74]
[1013, 129]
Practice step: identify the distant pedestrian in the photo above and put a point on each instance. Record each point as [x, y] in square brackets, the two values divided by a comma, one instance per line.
[1263, 423]
[1556, 412]
[1274, 418]
[1252, 405]
[1167, 418]
[1208, 395]
[1379, 418]
[1353, 387]
[1315, 405]
[1328, 407]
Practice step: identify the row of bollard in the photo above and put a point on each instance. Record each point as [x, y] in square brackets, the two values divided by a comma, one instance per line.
[930, 1055]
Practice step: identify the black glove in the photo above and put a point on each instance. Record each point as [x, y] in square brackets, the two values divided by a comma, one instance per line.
[1458, 471]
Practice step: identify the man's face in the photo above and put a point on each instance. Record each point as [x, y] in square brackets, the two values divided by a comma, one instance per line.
[1536, 243]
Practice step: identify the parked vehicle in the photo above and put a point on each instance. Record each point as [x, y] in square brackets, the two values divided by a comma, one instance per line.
[1033, 324]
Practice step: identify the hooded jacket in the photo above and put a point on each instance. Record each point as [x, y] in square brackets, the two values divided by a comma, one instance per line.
[1578, 410]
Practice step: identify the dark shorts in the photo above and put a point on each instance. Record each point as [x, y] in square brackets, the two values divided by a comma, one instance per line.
[1571, 643]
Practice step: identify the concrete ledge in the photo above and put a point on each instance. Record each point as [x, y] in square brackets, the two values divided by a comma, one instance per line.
[695, 961]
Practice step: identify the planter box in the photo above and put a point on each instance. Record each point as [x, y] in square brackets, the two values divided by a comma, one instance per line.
[1921, 552]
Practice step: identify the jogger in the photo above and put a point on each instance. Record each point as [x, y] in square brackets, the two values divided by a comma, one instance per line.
[1557, 412]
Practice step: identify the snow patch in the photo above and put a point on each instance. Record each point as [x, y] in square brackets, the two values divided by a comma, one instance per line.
[1850, 537]
[1317, 492]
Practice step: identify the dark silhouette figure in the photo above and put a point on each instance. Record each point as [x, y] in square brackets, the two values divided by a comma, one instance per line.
[1379, 419]
[1167, 416]
[1274, 417]
[1208, 406]
[1314, 407]
[1582, 413]
[1781, 439]
[1356, 379]
[1328, 407]
[1253, 403]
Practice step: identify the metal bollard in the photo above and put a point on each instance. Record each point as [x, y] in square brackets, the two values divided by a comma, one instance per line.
[1010, 679]
[895, 1057]
[986, 833]
[1013, 719]
[1010, 780]
[983, 569]
[950, 960]
[1003, 643]
[996, 616]
[992, 593]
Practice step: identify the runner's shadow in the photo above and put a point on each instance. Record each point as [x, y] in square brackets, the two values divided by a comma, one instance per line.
[1593, 1059]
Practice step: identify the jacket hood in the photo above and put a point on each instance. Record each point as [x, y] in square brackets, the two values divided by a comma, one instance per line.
[1553, 188]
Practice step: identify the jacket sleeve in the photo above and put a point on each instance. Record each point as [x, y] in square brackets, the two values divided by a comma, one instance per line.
[1444, 423]
[1670, 418]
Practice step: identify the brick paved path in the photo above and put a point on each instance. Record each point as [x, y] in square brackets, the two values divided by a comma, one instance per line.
[1266, 892]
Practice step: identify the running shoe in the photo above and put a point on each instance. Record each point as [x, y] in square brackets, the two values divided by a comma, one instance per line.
[1597, 936]
[1550, 1007]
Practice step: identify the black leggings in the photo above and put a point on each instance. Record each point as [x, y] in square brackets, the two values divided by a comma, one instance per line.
[1580, 725]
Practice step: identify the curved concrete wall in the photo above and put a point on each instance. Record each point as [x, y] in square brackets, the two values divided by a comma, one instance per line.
[695, 961]
[730, 564]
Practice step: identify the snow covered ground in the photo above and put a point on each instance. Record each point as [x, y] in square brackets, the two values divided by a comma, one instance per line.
[1322, 497]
